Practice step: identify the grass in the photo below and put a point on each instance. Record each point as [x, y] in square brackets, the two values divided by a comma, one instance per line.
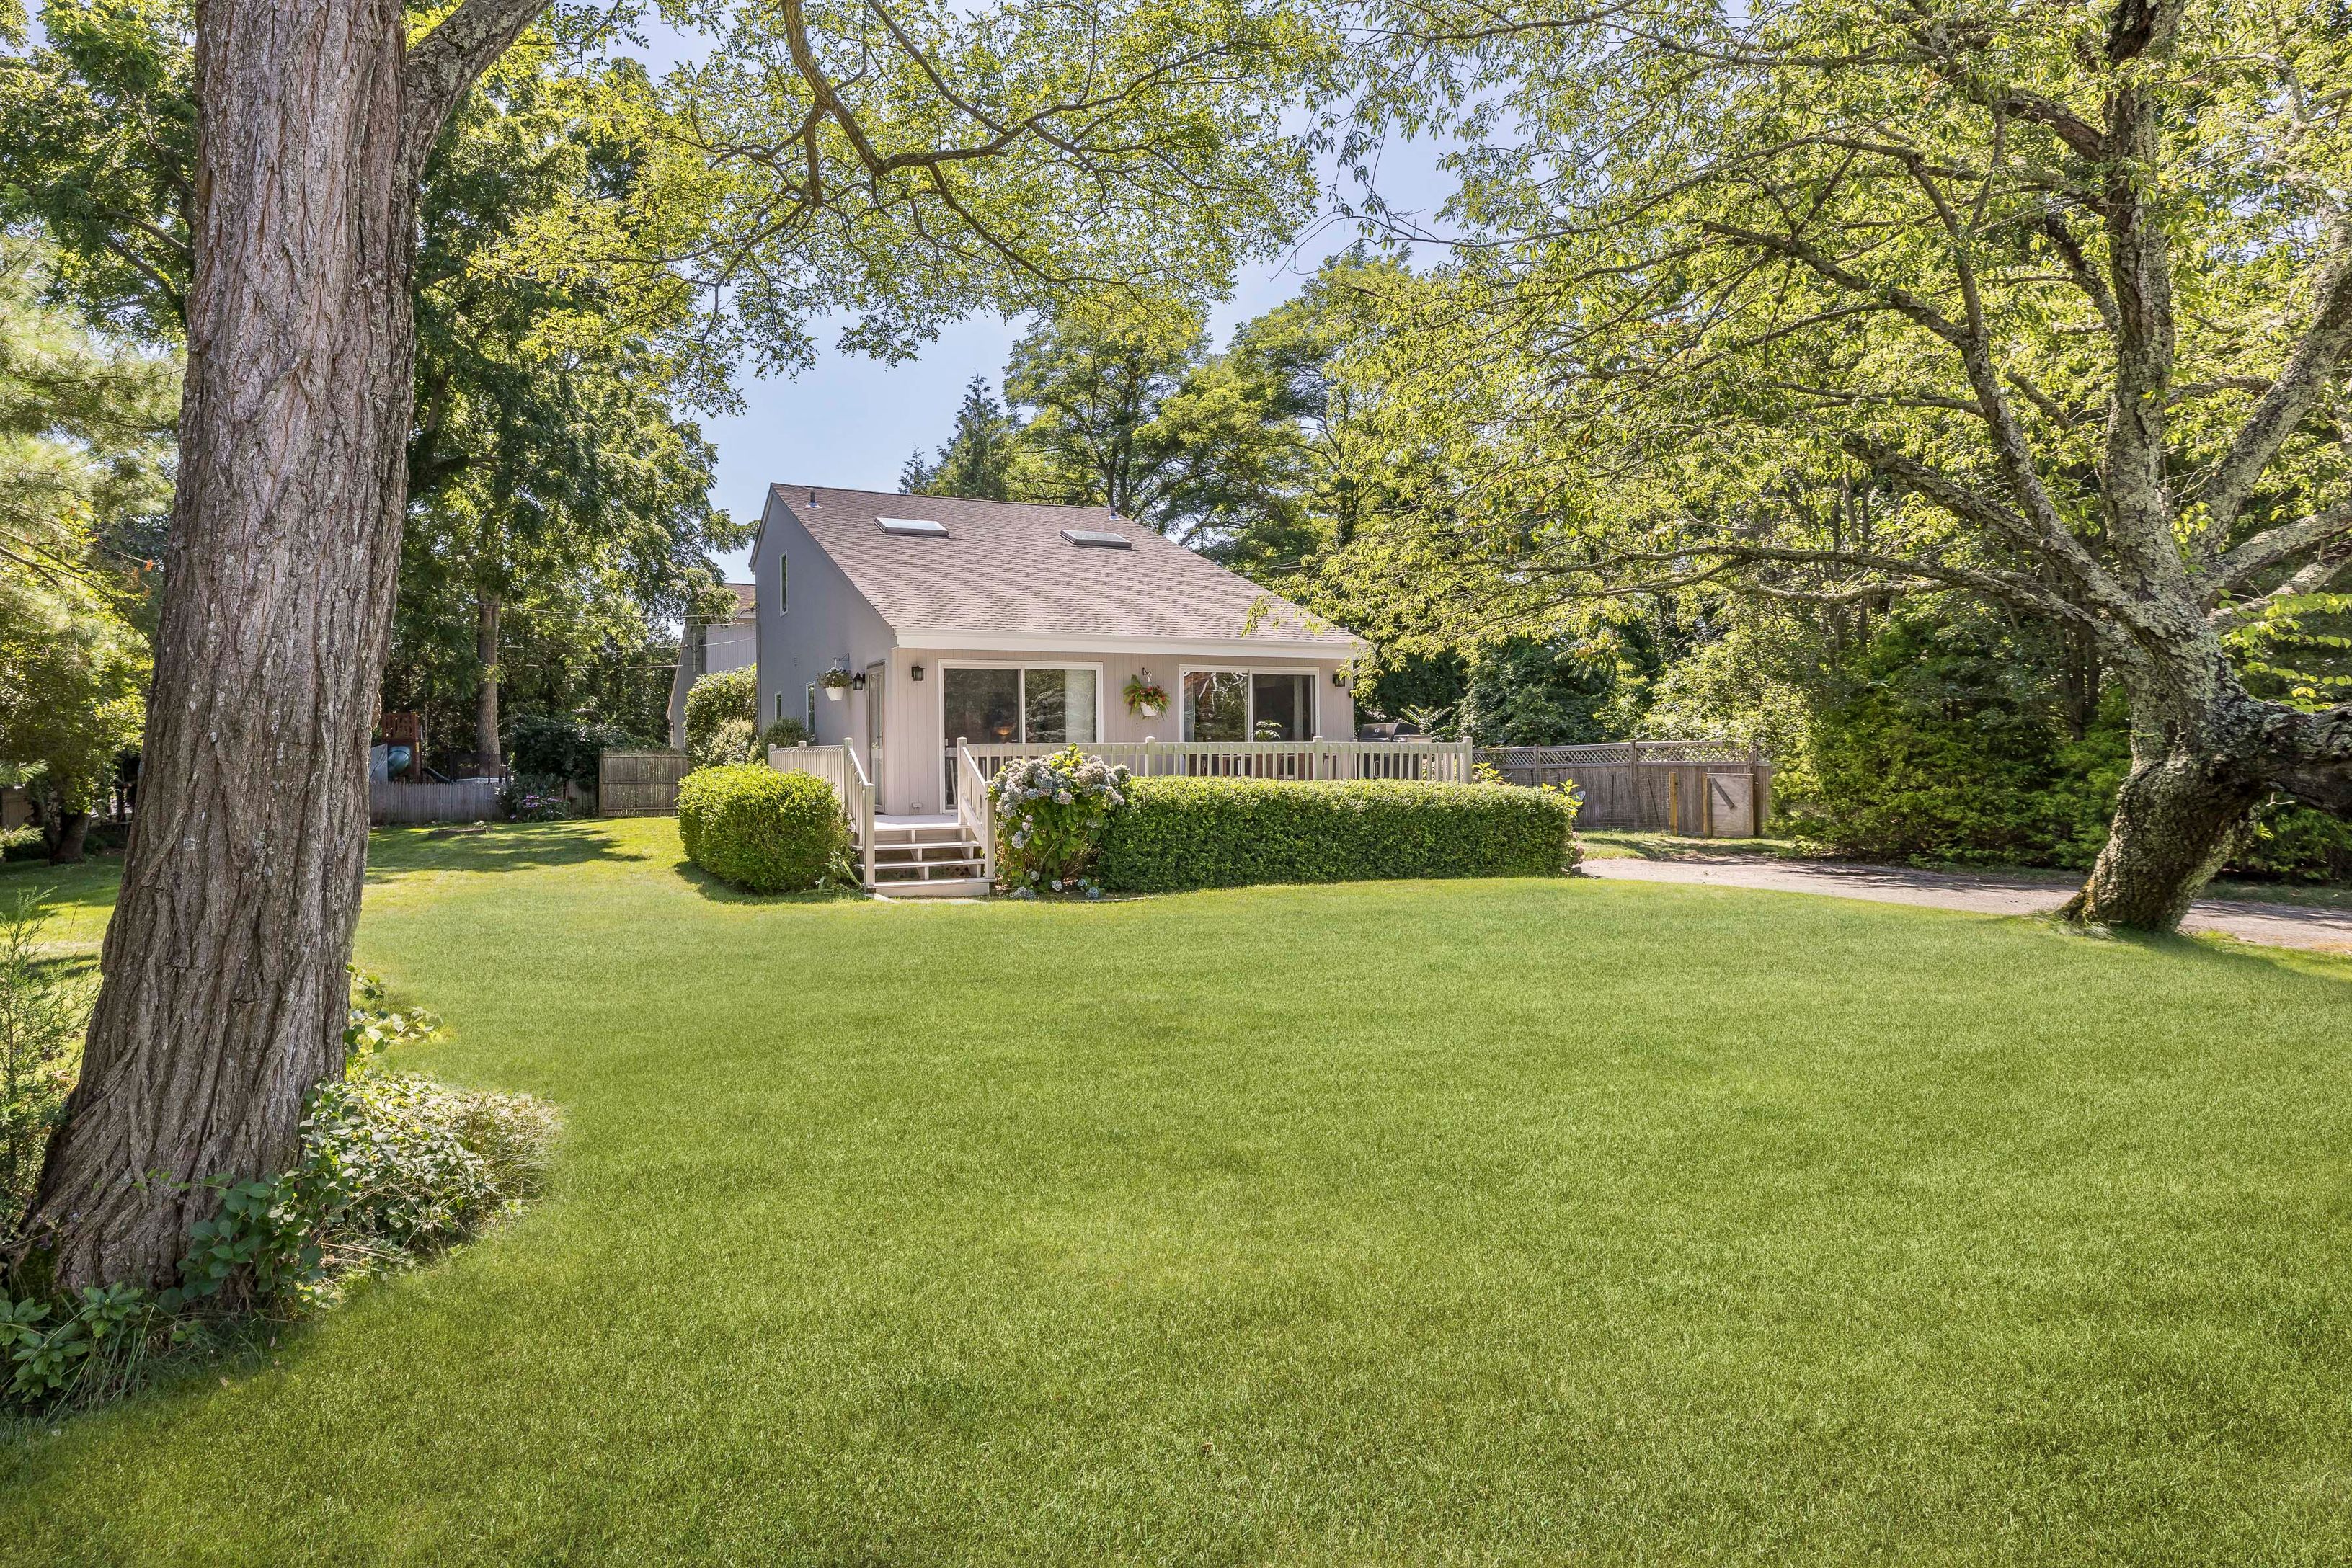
[1609, 845]
[75, 898]
[1489, 1222]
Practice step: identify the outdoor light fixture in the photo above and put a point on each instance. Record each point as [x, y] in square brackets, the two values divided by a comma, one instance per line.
[917, 672]
[1338, 677]
[858, 682]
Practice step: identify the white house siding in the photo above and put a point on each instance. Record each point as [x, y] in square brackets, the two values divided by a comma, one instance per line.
[914, 746]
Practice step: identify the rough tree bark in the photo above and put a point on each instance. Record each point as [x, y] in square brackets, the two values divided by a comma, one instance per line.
[485, 703]
[224, 989]
[2198, 770]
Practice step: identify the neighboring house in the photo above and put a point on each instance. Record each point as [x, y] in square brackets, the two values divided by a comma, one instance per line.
[710, 647]
[995, 623]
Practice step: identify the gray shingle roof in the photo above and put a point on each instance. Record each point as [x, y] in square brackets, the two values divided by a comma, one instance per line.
[1005, 569]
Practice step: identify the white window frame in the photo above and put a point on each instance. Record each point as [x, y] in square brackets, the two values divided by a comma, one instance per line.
[783, 581]
[812, 713]
[939, 703]
[1313, 696]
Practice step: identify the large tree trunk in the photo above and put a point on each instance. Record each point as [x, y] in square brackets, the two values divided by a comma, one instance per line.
[486, 704]
[66, 833]
[224, 987]
[2177, 818]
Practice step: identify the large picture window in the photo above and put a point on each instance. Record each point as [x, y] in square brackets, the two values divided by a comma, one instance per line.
[1247, 705]
[986, 706]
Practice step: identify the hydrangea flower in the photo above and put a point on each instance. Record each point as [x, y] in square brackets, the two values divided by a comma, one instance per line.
[1051, 810]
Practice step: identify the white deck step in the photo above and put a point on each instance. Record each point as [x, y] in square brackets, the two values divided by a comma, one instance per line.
[935, 887]
[919, 833]
[928, 849]
[926, 857]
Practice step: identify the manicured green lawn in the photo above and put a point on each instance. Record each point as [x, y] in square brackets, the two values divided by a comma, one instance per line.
[1510, 1221]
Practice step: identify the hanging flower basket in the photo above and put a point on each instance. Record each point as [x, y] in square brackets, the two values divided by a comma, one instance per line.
[835, 684]
[1143, 697]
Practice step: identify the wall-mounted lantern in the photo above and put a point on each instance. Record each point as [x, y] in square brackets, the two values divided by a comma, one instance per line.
[858, 682]
[1338, 677]
[917, 672]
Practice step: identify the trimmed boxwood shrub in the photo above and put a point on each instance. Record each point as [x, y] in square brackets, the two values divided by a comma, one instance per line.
[759, 829]
[1177, 833]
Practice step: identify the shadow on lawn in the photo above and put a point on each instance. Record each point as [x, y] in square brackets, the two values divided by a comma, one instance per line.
[2209, 949]
[718, 891]
[500, 846]
[1622, 844]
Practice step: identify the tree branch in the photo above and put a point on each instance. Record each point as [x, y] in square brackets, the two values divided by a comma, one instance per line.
[445, 63]
[2310, 755]
[2309, 371]
[1972, 506]
[2276, 546]
[2315, 577]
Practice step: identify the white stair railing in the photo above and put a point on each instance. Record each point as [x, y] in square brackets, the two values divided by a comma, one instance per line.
[976, 809]
[857, 798]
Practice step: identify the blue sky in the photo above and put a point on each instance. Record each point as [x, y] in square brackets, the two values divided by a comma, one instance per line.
[851, 422]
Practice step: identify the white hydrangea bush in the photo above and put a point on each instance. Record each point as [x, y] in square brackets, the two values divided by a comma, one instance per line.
[1049, 816]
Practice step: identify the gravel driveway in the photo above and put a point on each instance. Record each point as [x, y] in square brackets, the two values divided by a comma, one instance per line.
[2278, 924]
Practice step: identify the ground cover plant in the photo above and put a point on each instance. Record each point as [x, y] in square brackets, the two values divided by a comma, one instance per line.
[1487, 1220]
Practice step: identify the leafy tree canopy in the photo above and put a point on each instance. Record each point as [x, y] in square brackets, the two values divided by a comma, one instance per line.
[83, 437]
[2067, 290]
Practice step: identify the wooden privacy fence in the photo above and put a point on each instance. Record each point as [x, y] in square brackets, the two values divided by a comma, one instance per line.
[392, 804]
[640, 783]
[1702, 788]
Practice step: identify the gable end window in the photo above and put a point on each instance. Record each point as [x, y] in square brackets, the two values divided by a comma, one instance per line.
[784, 578]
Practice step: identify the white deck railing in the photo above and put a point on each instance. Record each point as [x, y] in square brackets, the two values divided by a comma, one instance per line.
[1306, 761]
[976, 809]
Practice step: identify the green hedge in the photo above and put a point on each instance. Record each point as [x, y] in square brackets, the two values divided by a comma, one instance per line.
[1177, 833]
[759, 829]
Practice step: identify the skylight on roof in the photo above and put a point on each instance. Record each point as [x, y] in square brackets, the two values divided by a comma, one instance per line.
[1095, 539]
[921, 526]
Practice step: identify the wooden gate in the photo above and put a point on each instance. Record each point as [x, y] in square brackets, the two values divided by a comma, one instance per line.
[640, 783]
